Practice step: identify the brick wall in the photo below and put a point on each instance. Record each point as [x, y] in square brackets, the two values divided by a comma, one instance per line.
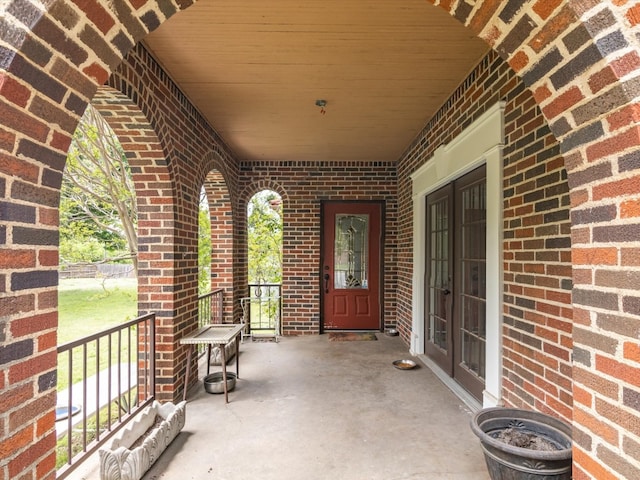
[580, 60]
[537, 242]
[168, 191]
[221, 216]
[302, 185]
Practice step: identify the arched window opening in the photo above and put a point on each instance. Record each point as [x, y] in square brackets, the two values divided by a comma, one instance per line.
[97, 289]
[204, 245]
[262, 308]
[215, 251]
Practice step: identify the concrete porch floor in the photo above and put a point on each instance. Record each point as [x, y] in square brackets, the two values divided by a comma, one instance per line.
[307, 408]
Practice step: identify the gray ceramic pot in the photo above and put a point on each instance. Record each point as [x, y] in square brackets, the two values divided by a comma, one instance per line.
[514, 461]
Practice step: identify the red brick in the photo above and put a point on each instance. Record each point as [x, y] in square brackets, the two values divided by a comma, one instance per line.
[16, 442]
[36, 323]
[554, 27]
[14, 91]
[602, 79]
[631, 351]
[23, 123]
[60, 141]
[47, 341]
[48, 216]
[626, 116]
[10, 399]
[32, 367]
[16, 259]
[591, 467]
[46, 467]
[620, 371]
[614, 144]
[30, 410]
[630, 209]
[545, 8]
[519, 61]
[48, 258]
[582, 396]
[483, 14]
[595, 256]
[633, 15]
[563, 102]
[619, 188]
[97, 14]
[626, 64]
[97, 73]
[18, 168]
[25, 459]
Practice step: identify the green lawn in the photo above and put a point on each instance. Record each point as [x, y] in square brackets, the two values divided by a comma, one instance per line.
[87, 306]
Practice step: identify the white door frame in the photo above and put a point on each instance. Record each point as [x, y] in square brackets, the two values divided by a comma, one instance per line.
[480, 143]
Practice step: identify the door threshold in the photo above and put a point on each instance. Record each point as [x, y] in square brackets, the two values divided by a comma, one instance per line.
[469, 400]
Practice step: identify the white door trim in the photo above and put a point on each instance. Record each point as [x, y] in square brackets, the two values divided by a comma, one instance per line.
[480, 143]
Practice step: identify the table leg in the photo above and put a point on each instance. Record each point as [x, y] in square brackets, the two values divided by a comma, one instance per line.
[208, 358]
[186, 375]
[238, 357]
[223, 356]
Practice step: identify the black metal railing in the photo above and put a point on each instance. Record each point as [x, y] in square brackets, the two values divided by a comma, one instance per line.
[210, 308]
[107, 378]
[262, 309]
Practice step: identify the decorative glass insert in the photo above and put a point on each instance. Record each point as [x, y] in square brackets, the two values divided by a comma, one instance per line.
[351, 251]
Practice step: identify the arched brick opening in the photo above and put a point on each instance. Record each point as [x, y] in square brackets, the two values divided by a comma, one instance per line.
[580, 59]
[155, 196]
[243, 201]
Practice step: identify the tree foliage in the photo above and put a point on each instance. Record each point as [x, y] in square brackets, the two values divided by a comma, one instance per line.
[204, 245]
[98, 215]
[265, 228]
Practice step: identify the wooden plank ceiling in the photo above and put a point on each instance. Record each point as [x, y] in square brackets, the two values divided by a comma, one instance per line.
[255, 69]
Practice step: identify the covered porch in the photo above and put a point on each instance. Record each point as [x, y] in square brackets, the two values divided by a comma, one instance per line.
[308, 407]
[559, 79]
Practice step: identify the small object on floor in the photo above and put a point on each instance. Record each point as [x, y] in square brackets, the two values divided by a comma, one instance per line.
[404, 364]
[392, 332]
[352, 336]
[213, 383]
[62, 412]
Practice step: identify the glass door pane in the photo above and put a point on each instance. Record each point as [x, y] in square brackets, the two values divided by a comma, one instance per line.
[351, 251]
[471, 253]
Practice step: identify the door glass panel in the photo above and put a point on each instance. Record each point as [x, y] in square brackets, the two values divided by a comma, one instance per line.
[438, 226]
[473, 282]
[351, 255]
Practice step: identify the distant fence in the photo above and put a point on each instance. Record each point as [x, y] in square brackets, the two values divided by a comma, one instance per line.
[96, 270]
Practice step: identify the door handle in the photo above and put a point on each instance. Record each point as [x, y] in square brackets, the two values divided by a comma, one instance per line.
[326, 283]
[446, 291]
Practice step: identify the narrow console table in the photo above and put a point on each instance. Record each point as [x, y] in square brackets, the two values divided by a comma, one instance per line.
[217, 334]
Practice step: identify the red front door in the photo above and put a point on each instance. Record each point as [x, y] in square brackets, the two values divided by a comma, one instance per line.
[350, 269]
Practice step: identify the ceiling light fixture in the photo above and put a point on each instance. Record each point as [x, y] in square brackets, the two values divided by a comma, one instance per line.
[321, 104]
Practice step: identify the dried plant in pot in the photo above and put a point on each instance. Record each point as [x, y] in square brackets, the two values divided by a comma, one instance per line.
[522, 444]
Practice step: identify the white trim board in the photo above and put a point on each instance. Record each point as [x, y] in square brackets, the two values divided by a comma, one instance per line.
[480, 143]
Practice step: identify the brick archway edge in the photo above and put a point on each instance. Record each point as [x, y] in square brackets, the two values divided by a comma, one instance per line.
[580, 59]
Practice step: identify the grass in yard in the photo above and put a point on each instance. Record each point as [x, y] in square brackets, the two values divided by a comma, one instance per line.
[87, 306]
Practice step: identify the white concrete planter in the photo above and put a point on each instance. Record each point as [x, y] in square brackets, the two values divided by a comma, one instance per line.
[118, 461]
